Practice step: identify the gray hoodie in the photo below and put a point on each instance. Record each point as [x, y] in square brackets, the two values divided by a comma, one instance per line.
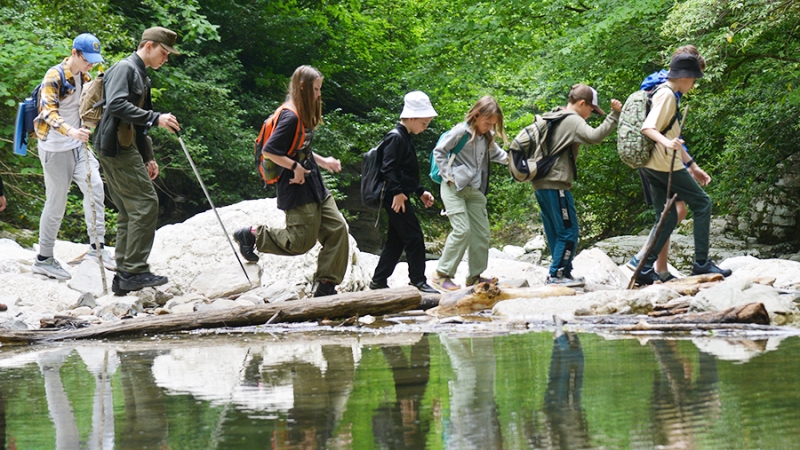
[572, 130]
[471, 165]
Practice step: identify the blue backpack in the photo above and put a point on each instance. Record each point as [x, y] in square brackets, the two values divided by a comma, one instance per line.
[29, 110]
[434, 174]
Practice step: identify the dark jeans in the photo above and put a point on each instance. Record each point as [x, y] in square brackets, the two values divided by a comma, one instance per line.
[695, 197]
[404, 233]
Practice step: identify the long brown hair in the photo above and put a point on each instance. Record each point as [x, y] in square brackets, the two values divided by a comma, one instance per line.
[486, 106]
[301, 94]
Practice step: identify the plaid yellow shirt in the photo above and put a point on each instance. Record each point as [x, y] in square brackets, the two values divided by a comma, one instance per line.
[49, 101]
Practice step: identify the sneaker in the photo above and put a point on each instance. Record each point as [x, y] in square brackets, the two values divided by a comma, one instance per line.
[647, 277]
[566, 281]
[709, 267]
[247, 244]
[51, 268]
[669, 277]
[633, 263]
[425, 288]
[138, 281]
[118, 291]
[472, 281]
[325, 289]
[443, 283]
[108, 261]
[375, 286]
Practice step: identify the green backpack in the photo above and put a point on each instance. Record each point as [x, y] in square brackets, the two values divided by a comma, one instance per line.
[633, 147]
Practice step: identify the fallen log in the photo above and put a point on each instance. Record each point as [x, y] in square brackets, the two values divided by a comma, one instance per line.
[486, 295]
[379, 302]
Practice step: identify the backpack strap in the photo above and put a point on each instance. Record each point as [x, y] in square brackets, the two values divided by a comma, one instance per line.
[461, 143]
[299, 132]
[677, 110]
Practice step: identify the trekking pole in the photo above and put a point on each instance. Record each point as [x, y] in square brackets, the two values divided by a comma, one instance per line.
[210, 202]
[94, 220]
[670, 202]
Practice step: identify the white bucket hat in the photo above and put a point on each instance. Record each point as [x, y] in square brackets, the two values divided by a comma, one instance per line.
[417, 105]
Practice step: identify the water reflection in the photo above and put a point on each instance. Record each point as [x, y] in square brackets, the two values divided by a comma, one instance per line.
[412, 391]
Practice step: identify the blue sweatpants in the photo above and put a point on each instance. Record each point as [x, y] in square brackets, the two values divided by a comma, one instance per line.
[560, 227]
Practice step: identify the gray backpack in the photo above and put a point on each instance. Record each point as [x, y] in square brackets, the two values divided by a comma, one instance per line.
[635, 148]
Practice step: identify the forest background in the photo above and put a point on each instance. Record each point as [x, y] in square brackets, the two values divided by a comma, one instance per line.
[743, 126]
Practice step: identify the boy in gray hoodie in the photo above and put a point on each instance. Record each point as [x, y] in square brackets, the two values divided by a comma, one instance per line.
[552, 190]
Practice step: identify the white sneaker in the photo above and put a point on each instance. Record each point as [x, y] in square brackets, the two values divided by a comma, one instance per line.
[51, 268]
[108, 261]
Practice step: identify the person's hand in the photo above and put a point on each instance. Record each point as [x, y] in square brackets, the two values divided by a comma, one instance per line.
[399, 203]
[699, 175]
[616, 105]
[152, 169]
[2, 202]
[427, 199]
[79, 134]
[330, 164]
[674, 144]
[169, 122]
[299, 176]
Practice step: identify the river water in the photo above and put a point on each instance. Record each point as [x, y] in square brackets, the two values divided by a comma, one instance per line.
[373, 390]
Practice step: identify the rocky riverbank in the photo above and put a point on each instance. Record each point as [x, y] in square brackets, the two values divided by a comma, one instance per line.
[204, 275]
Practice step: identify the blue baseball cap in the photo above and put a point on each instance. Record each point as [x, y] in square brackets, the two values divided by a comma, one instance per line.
[89, 45]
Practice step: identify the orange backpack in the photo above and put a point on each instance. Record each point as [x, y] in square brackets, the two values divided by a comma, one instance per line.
[266, 168]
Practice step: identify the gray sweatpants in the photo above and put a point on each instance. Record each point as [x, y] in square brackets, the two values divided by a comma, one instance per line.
[60, 170]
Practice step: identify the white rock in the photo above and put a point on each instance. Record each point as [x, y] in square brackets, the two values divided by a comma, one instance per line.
[786, 273]
[537, 243]
[87, 278]
[183, 300]
[119, 308]
[497, 254]
[81, 311]
[538, 309]
[225, 281]
[737, 291]
[624, 301]
[245, 303]
[184, 308]
[38, 294]
[513, 251]
[594, 265]
[279, 291]
[366, 320]
[216, 305]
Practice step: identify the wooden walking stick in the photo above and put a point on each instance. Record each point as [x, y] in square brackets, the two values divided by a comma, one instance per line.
[94, 220]
[670, 202]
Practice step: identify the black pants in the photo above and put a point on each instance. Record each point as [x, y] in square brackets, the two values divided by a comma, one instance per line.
[404, 233]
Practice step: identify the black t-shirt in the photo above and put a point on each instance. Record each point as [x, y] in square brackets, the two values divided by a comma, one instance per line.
[291, 196]
[400, 167]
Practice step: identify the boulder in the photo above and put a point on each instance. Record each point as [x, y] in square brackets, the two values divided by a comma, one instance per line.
[226, 280]
[786, 273]
[87, 278]
[594, 265]
[624, 301]
[119, 307]
[739, 291]
[537, 243]
[38, 293]
[513, 251]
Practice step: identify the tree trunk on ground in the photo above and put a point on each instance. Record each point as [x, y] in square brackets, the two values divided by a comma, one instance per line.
[384, 301]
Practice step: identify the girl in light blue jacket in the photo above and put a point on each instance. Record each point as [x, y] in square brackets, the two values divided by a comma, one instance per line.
[465, 181]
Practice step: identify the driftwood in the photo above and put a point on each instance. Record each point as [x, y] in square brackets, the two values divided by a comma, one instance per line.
[384, 301]
[486, 295]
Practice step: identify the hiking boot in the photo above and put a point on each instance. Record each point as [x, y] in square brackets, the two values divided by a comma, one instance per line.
[375, 286]
[633, 263]
[424, 287]
[118, 291]
[709, 267]
[472, 281]
[325, 289]
[137, 281]
[108, 261]
[566, 281]
[247, 244]
[443, 283]
[51, 268]
[647, 277]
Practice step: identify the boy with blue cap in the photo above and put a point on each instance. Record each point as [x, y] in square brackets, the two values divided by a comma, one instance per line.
[63, 153]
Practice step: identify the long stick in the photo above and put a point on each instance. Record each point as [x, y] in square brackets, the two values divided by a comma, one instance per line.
[670, 202]
[213, 208]
[94, 220]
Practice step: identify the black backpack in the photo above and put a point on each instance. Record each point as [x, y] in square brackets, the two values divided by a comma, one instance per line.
[373, 187]
[29, 110]
[529, 155]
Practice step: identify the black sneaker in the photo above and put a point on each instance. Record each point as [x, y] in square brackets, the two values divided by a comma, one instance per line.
[325, 289]
[647, 277]
[247, 244]
[424, 287]
[375, 286]
[118, 291]
[138, 281]
[709, 267]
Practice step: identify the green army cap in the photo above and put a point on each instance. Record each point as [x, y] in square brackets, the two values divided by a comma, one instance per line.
[163, 36]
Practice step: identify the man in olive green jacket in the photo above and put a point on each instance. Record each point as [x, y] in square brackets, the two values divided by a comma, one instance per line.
[127, 156]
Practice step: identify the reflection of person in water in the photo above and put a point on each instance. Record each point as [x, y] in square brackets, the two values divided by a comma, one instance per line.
[319, 399]
[57, 402]
[145, 424]
[473, 421]
[398, 424]
[685, 399]
[565, 425]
